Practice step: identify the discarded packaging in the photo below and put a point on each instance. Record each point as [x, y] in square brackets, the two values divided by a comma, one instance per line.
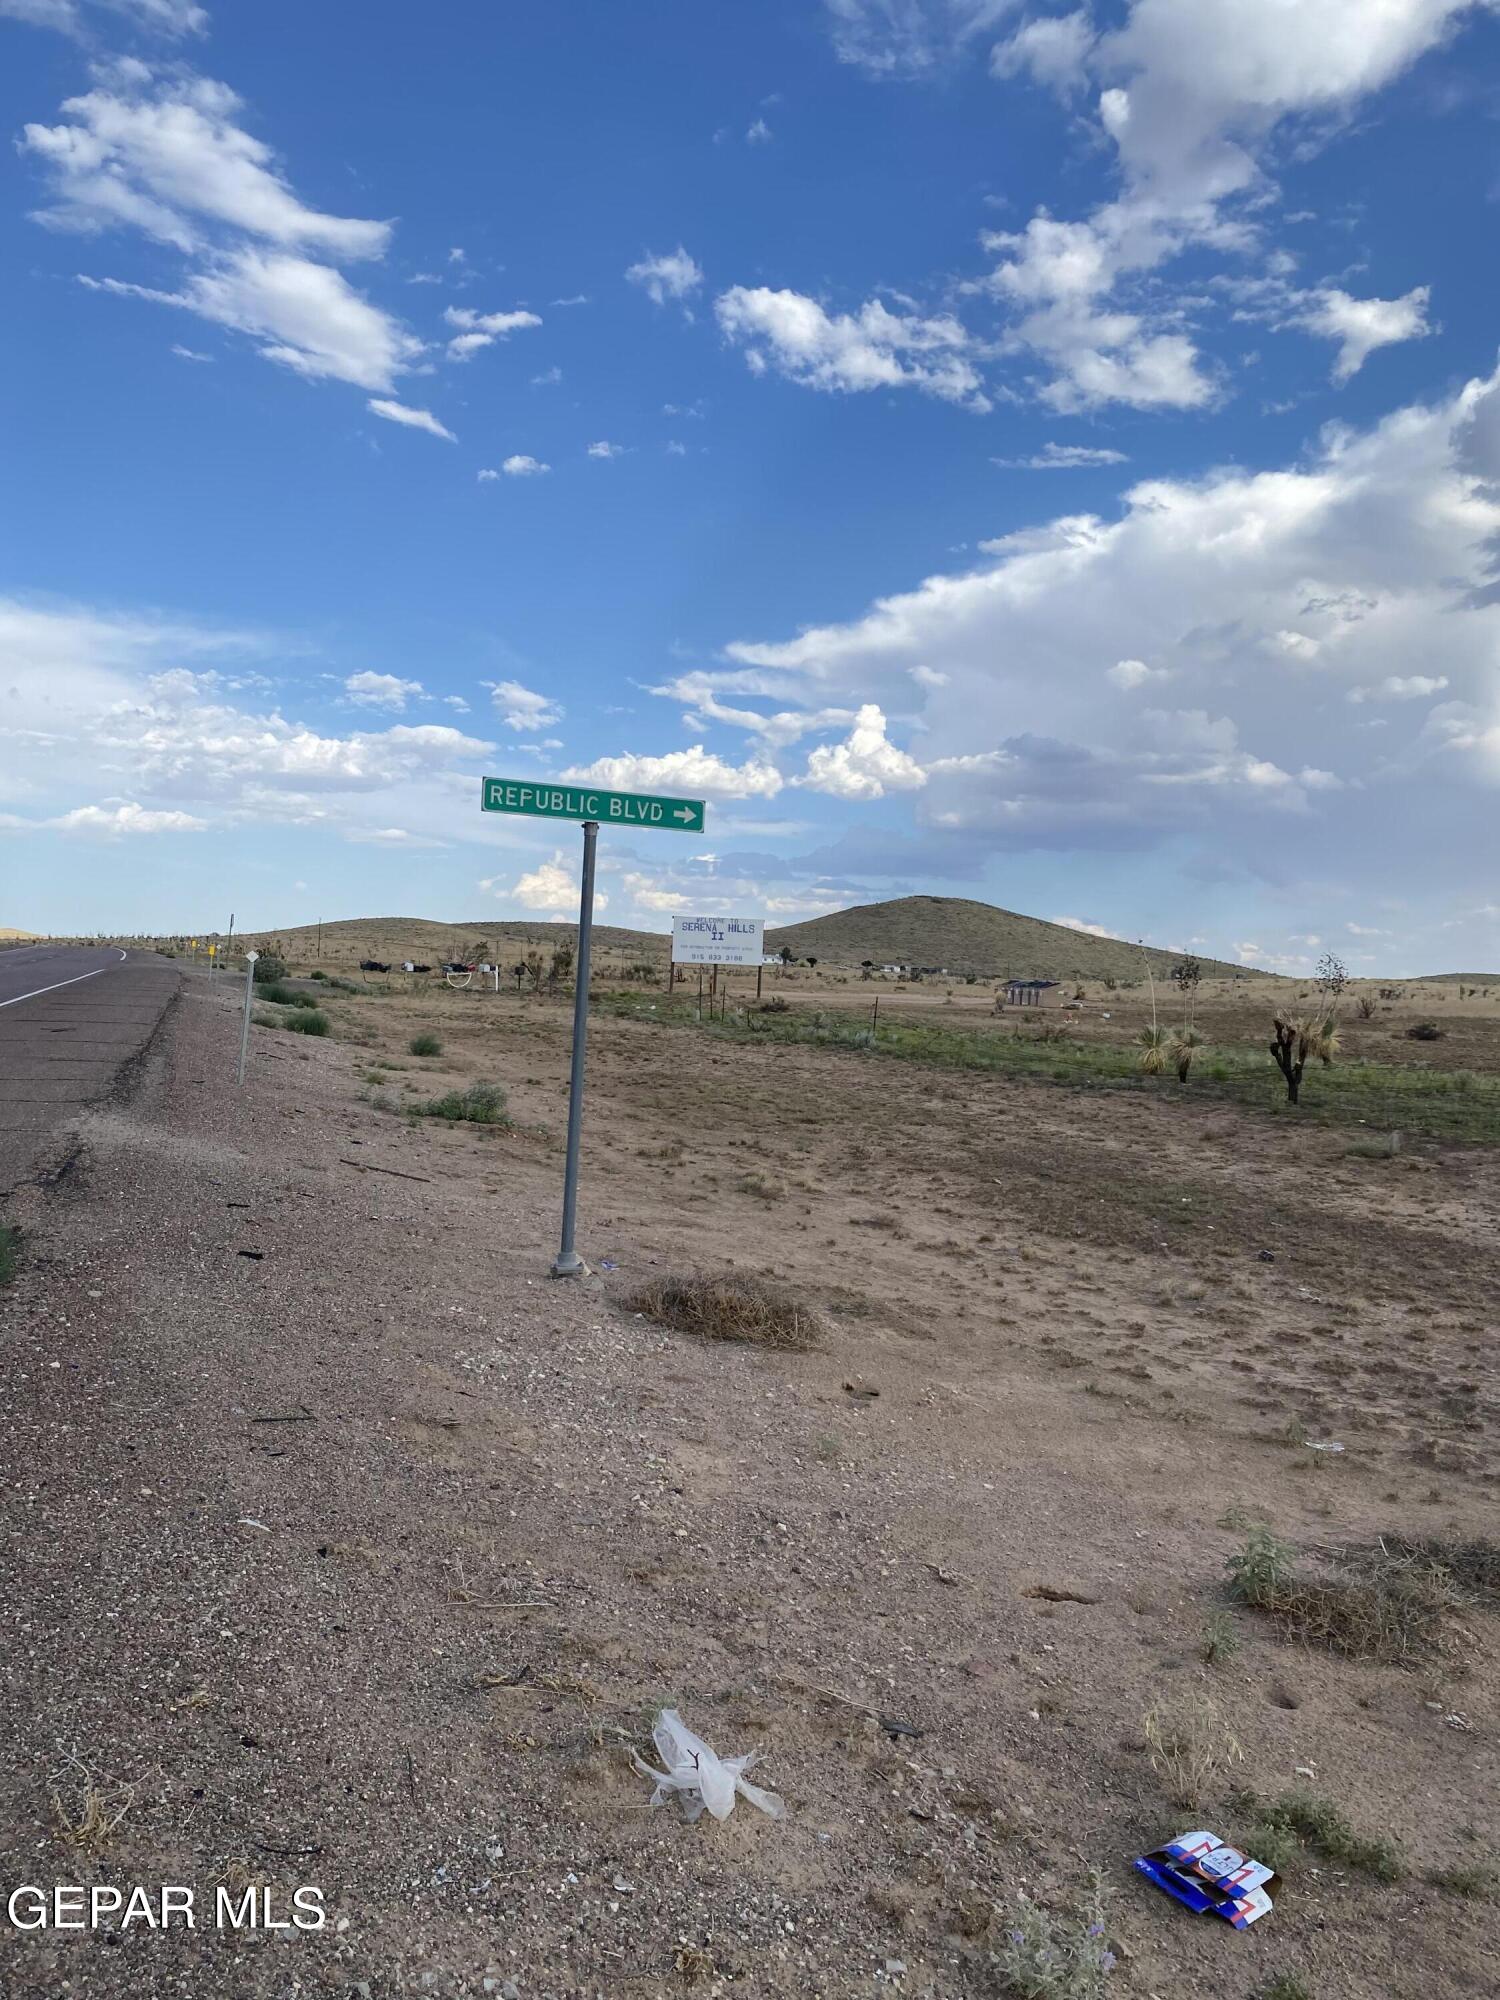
[1200, 1871]
[702, 1777]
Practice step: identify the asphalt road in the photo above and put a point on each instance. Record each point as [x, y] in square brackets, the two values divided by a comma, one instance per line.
[71, 1018]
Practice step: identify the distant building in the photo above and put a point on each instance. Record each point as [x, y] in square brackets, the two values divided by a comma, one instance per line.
[1032, 992]
[894, 971]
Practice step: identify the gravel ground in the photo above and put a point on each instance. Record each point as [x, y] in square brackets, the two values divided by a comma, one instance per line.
[346, 1550]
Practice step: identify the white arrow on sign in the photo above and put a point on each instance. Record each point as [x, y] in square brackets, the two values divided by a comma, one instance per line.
[684, 812]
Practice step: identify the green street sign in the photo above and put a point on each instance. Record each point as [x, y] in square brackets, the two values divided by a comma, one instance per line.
[547, 801]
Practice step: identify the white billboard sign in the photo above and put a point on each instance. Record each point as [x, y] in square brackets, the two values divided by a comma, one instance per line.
[718, 940]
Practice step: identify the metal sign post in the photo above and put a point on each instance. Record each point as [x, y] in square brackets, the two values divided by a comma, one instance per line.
[590, 805]
[569, 1264]
[250, 958]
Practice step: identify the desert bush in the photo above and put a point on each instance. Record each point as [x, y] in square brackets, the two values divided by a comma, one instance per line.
[1049, 1955]
[776, 1005]
[269, 968]
[480, 1104]
[306, 1021]
[1304, 1818]
[1365, 1007]
[317, 974]
[1394, 1608]
[1184, 1045]
[1220, 1640]
[734, 1307]
[425, 1044]
[1155, 1046]
[1285, 1986]
[1424, 1031]
[1474, 1879]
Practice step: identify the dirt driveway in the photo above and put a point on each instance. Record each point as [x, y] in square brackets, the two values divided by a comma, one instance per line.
[346, 1550]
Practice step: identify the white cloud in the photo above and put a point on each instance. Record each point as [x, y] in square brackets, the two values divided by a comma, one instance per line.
[480, 330]
[646, 892]
[759, 133]
[675, 448]
[553, 886]
[521, 465]
[691, 772]
[1064, 458]
[370, 690]
[486, 472]
[602, 448]
[126, 818]
[414, 419]
[456, 702]
[889, 39]
[548, 378]
[1373, 550]
[1134, 673]
[306, 315]
[1052, 50]
[1362, 325]
[189, 353]
[673, 276]
[866, 765]
[1194, 89]
[164, 153]
[522, 708]
[1089, 930]
[1400, 687]
[171, 18]
[843, 352]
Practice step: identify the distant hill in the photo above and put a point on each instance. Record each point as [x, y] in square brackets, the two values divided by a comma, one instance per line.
[9, 936]
[392, 939]
[966, 936]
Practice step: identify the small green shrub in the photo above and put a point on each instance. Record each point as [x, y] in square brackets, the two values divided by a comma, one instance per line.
[425, 1044]
[1220, 1640]
[1262, 1568]
[1286, 1986]
[1473, 1879]
[1302, 1817]
[480, 1104]
[318, 974]
[10, 1252]
[285, 996]
[306, 1021]
[1057, 1956]
[269, 968]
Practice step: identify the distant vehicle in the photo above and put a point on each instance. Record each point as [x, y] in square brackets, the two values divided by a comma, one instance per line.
[372, 965]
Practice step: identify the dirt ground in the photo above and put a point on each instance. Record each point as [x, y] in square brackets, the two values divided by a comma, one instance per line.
[347, 1549]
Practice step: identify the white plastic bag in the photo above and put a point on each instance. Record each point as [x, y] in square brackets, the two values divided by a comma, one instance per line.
[702, 1776]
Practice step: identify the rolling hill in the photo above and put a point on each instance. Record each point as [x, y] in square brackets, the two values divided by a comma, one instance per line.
[966, 936]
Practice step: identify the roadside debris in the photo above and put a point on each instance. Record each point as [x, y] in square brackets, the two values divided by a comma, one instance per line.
[1202, 1873]
[702, 1777]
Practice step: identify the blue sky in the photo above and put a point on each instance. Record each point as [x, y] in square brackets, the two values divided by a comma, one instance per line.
[1024, 452]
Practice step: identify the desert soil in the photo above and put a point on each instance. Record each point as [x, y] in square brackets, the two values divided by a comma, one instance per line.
[347, 1549]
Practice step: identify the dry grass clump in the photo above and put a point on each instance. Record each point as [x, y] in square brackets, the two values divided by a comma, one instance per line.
[1395, 1608]
[95, 1813]
[1191, 1745]
[729, 1308]
[1471, 1569]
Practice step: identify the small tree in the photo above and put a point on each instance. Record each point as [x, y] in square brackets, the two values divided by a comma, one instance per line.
[1333, 977]
[535, 969]
[788, 956]
[867, 968]
[562, 964]
[1187, 977]
[812, 965]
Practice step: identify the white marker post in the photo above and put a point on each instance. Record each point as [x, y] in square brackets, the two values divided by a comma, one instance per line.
[250, 958]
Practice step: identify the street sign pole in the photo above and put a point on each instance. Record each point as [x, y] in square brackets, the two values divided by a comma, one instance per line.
[569, 1264]
[250, 958]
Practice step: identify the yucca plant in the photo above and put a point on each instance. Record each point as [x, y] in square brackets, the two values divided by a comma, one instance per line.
[1156, 1048]
[1185, 1044]
[1295, 1037]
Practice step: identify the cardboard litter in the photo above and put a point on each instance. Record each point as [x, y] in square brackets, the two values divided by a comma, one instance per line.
[1206, 1875]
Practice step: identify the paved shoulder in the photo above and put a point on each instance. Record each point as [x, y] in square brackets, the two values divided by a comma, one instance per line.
[71, 1018]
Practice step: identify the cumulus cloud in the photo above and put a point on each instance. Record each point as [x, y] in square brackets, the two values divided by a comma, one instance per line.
[866, 765]
[172, 19]
[1194, 89]
[673, 276]
[850, 352]
[478, 330]
[602, 448]
[521, 465]
[1372, 552]
[552, 887]
[522, 708]
[682, 771]
[1081, 924]
[370, 690]
[1362, 325]
[414, 419]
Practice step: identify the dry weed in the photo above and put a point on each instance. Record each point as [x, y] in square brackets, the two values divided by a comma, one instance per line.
[1191, 1744]
[729, 1308]
[97, 1811]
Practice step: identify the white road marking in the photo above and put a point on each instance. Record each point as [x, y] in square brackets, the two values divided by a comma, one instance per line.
[36, 992]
